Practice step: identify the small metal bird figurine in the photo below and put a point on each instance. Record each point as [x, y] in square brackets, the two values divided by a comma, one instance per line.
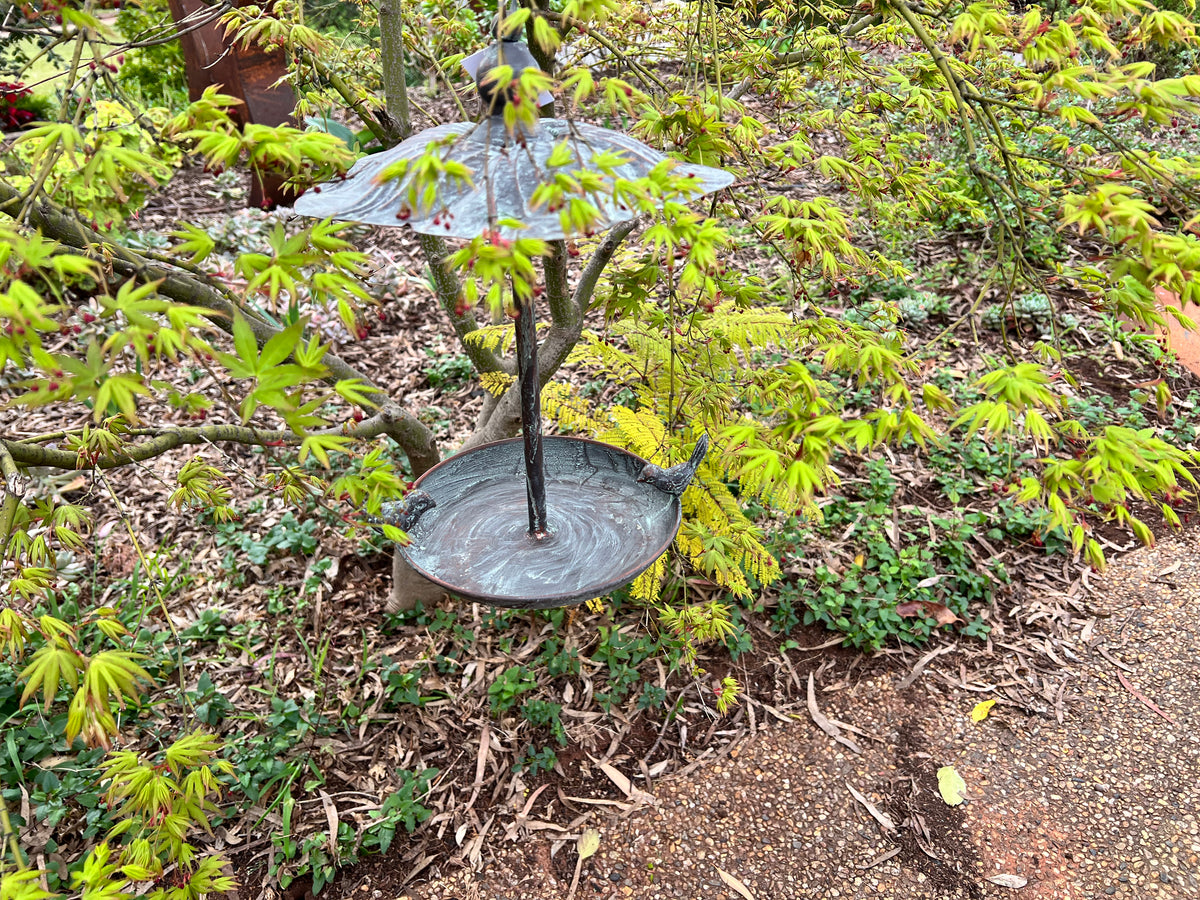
[507, 50]
[675, 479]
[403, 513]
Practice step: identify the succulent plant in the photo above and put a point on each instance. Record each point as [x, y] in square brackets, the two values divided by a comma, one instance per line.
[1027, 311]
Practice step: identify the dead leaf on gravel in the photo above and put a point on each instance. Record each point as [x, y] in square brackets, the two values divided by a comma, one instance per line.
[951, 785]
[881, 817]
[1169, 570]
[922, 663]
[1149, 704]
[735, 884]
[589, 842]
[480, 764]
[938, 611]
[822, 722]
[1008, 881]
[623, 784]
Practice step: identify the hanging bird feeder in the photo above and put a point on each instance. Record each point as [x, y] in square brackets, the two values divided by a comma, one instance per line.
[531, 522]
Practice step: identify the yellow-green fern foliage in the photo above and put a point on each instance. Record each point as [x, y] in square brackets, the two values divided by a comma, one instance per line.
[741, 375]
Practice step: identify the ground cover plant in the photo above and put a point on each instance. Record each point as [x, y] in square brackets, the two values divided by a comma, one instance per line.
[923, 329]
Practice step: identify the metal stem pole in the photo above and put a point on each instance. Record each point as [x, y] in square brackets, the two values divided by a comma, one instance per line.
[531, 416]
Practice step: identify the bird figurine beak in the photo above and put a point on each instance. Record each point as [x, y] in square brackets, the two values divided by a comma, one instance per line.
[403, 514]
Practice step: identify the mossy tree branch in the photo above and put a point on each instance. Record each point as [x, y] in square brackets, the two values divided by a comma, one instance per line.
[382, 126]
[391, 51]
[25, 453]
[12, 497]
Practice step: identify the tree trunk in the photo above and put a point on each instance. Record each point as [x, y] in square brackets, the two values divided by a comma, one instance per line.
[408, 586]
[391, 52]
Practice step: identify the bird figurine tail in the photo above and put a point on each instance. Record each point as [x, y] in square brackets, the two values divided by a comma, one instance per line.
[698, 454]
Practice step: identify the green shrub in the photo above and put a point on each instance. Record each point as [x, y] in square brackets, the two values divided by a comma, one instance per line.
[155, 74]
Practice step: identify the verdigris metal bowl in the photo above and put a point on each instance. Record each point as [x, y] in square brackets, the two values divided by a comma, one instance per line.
[604, 527]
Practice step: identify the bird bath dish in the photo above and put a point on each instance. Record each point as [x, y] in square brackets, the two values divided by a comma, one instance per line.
[603, 528]
[531, 522]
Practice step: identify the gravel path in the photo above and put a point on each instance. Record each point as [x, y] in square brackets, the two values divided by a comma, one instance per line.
[1105, 803]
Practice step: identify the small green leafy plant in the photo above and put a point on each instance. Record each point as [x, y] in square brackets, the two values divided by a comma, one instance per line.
[504, 692]
[901, 585]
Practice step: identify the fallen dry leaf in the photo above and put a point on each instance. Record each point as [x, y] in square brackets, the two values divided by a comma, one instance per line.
[589, 842]
[735, 884]
[981, 710]
[1009, 881]
[823, 722]
[1149, 704]
[951, 786]
[881, 817]
[922, 663]
[331, 817]
[941, 613]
